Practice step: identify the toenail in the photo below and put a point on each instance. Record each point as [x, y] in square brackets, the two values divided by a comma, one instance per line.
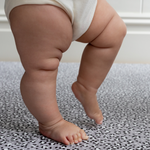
[76, 141]
[80, 140]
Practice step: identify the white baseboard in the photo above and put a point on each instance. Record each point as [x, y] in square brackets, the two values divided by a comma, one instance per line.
[8, 50]
[135, 48]
[4, 25]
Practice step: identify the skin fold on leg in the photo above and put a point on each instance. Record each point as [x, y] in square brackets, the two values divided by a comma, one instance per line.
[42, 33]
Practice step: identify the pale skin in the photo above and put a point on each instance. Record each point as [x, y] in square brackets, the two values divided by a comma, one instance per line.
[42, 33]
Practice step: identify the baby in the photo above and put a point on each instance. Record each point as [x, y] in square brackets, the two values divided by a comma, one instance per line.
[43, 30]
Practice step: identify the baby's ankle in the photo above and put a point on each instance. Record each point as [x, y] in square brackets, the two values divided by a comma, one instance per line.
[49, 124]
[86, 87]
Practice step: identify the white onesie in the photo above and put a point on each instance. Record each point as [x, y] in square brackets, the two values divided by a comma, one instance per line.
[81, 12]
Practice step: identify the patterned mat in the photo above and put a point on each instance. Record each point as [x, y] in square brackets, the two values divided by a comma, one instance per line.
[124, 98]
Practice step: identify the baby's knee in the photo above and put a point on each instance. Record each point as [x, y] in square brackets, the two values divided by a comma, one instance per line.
[121, 28]
[43, 70]
[112, 35]
[48, 65]
[118, 32]
[45, 64]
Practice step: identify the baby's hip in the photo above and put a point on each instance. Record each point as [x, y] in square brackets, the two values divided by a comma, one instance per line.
[80, 12]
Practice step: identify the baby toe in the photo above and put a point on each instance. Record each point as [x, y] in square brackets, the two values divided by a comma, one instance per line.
[65, 141]
[83, 135]
[75, 138]
[70, 139]
[79, 137]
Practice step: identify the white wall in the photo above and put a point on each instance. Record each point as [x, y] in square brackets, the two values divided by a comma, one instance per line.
[8, 50]
[1, 4]
[146, 6]
[135, 48]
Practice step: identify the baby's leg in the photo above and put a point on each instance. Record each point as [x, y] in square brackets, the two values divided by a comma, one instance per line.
[104, 36]
[42, 33]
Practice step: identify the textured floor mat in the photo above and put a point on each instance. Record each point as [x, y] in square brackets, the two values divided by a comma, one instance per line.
[124, 98]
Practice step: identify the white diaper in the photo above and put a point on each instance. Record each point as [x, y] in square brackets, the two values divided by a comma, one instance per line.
[81, 12]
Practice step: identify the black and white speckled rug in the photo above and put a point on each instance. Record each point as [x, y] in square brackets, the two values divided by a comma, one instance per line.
[124, 98]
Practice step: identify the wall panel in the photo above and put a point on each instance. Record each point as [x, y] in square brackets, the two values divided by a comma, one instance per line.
[146, 6]
[1, 4]
[125, 5]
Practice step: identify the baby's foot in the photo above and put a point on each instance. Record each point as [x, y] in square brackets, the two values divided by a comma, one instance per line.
[64, 132]
[88, 100]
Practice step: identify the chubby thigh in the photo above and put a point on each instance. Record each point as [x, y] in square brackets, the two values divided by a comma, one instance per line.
[105, 25]
[41, 32]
